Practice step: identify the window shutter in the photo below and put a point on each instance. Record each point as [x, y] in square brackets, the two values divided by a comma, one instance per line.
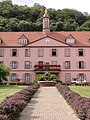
[30, 64]
[23, 77]
[77, 64]
[77, 76]
[64, 65]
[17, 52]
[83, 52]
[11, 64]
[57, 52]
[10, 52]
[50, 53]
[17, 64]
[84, 64]
[77, 53]
[84, 76]
[30, 77]
[16, 76]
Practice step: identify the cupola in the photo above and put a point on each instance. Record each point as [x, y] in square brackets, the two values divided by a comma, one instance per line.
[46, 26]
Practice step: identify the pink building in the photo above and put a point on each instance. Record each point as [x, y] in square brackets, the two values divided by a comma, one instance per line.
[65, 54]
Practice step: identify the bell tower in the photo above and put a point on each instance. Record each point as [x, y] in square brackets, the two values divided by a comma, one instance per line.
[46, 27]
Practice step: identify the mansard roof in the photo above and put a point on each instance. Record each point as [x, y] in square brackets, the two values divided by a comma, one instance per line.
[12, 38]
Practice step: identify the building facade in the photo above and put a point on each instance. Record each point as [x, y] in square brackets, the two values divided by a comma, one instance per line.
[65, 54]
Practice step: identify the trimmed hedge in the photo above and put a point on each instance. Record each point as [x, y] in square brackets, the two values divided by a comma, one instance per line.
[79, 103]
[14, 104]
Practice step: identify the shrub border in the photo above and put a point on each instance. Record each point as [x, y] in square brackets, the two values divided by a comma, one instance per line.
[13, 105]
[79, 103]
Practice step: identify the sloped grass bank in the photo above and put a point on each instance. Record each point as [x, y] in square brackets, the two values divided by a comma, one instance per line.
[79, 103]
[6, 90]
[14, 104]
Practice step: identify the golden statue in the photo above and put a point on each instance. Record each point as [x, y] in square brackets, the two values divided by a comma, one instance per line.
[46, 11]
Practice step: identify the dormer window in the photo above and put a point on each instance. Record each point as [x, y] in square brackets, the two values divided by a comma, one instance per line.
[70, 41]
[23, 41]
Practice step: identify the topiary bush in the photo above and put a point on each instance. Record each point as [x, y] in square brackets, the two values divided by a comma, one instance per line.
[79, 103]
[14, 104]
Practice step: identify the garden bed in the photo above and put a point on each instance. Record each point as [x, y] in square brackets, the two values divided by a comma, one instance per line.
[47, 83]
[79, 103]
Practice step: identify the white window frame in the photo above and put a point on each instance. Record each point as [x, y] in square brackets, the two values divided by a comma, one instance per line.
[13, 77]
[40, 52]
[27, 77]
[70, 41]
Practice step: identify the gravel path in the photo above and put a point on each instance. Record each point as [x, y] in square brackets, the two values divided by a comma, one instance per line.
[48, 104]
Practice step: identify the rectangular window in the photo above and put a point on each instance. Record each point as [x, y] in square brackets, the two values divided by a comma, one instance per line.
[27, 64]
[53, 62]
[40, 62]
[80, 52]
[14, 64]
[67, 64]
[54, 52]
[40, 52]
[81, 76]
[67, 52]
[1, 52]
[67, 77]
[81, 64]
[70, 41]
[14, 52]
[27, 52]
[14, 76]
[27, 76]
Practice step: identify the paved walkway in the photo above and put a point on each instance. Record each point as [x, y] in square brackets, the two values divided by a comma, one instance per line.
[48, 104]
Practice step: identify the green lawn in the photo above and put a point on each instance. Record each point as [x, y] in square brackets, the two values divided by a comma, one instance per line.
[82, 90]
[6, 90]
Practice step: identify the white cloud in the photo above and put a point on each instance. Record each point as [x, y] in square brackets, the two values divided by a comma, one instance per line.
[80, 5]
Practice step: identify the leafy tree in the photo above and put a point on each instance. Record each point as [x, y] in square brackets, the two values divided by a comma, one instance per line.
[24, 26]
[53, 26]
[7, 1]
[4, 72]
[85, 26]
[12, 25]
[25, 18]
[59, 26]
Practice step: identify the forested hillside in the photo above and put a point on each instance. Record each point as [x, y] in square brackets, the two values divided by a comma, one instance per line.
[24, 18]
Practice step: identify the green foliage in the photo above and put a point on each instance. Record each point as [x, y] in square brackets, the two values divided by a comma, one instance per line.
[46, 77]
[53, 77]
[4, 72]
[24, 18]
[39, 77]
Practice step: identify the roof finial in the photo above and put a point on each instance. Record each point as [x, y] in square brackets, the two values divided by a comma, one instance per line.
[46, 11]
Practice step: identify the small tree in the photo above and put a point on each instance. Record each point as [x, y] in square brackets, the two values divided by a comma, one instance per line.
[4, 72]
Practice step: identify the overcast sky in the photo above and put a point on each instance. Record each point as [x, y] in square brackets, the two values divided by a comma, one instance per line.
[80, 5]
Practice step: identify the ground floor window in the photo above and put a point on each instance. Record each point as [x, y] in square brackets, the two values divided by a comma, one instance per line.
[81, 76]
[67, 77]
[13, 76]
[27, 77]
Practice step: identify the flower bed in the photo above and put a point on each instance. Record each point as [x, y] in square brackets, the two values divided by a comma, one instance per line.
[47, 83]
[14, 104]
[80, 104]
